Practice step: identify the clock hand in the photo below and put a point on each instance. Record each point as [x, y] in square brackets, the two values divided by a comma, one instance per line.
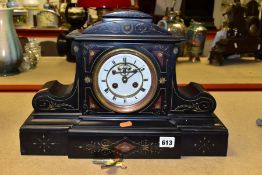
[125, 78]
[115, 72]
[134, 72]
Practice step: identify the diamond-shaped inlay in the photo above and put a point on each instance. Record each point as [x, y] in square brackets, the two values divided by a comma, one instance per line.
[125, 147]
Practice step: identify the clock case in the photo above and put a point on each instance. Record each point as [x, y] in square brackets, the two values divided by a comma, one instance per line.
[69, 120]
[52, 23]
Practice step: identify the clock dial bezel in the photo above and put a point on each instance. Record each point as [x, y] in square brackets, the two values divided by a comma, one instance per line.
[127, 108]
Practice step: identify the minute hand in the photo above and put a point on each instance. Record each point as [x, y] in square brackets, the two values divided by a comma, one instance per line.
[135, 71]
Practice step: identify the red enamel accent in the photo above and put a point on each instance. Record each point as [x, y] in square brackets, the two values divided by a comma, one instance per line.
[104, 3]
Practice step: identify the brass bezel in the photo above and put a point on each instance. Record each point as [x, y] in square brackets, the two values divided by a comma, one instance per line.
[129, 108]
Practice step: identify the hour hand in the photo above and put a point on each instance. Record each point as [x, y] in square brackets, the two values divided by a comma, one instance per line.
[115, 72]
[118, 72]
[125, 72]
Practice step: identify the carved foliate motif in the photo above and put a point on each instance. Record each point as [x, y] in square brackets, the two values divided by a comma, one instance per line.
[44, 100]
[201, 105]
[126, 146]
[123, 27]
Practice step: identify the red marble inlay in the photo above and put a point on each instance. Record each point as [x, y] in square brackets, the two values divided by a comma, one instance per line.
[158, 103]
[92, 104]
[125, 147]
[160, 57]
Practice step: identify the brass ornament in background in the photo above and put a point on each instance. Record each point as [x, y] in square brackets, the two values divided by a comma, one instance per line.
[47, 19]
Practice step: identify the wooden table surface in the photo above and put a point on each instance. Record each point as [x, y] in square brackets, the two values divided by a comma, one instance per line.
[237, 110]
[244, 74]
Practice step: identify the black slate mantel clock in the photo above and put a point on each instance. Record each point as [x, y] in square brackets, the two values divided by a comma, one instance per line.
[125, 72]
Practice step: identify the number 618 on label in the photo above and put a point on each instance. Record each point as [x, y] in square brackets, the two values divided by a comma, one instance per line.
[166, 142]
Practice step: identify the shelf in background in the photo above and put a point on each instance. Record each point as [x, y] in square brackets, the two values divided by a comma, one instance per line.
[54, 32]
[208, 87]
[237, 75]
[36, 32]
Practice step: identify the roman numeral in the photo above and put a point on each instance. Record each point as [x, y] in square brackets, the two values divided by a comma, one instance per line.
[113, 62]
[106, 70]
[106, 90]
[135, 97]
[145, 79]
[114, 98]
[103, 80]
[124, 59]
[135, 62]
[124, 100]
[142, 89]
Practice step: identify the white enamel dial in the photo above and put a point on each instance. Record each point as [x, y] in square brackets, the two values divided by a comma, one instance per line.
[124, 80]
